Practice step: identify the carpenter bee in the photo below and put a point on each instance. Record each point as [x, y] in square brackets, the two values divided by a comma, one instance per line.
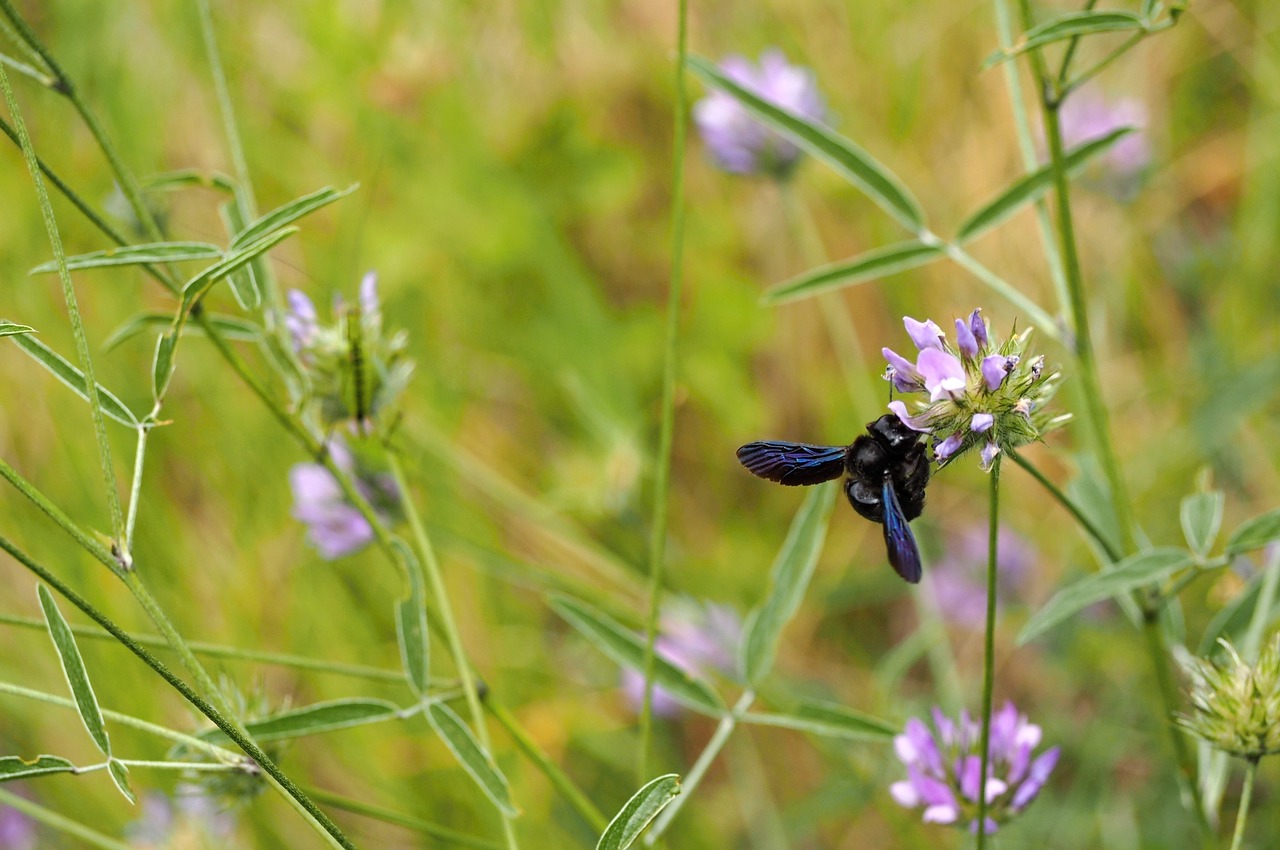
[887, 468]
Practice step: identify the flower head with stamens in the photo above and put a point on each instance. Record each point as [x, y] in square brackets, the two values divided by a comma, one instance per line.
[1236, 704]
[736, 141]
[981, 392]
[944, 767]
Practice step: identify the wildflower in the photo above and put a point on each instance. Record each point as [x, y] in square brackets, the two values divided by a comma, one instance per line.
[334, 526]
[739, 143]
[957, 580]
[17, 831]
[697, 638]
[944, 768]
[355, 370]
[1237, 705]
[1088, 115]
[983, 392]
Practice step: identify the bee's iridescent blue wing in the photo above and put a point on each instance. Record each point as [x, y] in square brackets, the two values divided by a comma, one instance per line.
[904, 554]
[793, 463]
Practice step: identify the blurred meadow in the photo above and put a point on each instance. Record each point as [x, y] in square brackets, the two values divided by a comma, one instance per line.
[514, 163]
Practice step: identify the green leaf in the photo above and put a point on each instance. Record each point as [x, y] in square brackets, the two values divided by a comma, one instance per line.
[189, 177]
[411, 625]
[135, 255]
[13, 329]
[868, 266]
[231, 327]
[120, 776]
[15, 767]
[1070, 25]
[1234, 619]
[236, 259]
[639, 812]
[73, 378]
[162, 364]
[1201, 515]
[73, 668]
[1031, 187]
[464, 746]
[289, 213]
[1255, 533]
[829, 720]
[848, 160]
[244, 282]
[628, 649]
[1129, 574]
[788, 580]
[314, 719]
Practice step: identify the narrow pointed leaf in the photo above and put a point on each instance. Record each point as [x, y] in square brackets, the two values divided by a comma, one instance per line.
[788, 580]
[1201, 515]
[411, 625]
[1067, 26]
[15, 767]
[633, 818]
[162, 364]
[869, 266]
[289, 213]
[120, 776]
[243, 281]
[231, 327]
[628, 649]
[1032, 187]
[1131, 573]
[464, 746]
[236, 259]
[850, 161]
[314, 719]
[73, 668]
[73, 378]
[136, 255]
[830, 721]
[13, 329]
[1255, 533]
[189, 177]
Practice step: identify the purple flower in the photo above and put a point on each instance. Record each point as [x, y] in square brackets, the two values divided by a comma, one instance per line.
[334, 527]
[17, 831]
[737, 142]
[902, 372]
[958, 580]
[948, 447]
[695, 637]
[978, 327]
[369, 293]
[915, 423]
[300, 319]
[982, 423]
[943, 374]
[995, 369]
[965, 340]
[924, 334]
[1088, 115]
[944, 770]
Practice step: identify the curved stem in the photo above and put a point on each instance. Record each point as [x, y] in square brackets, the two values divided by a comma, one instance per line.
[989, 648]
[1246, 797]
[1087, 524]
[666, 435]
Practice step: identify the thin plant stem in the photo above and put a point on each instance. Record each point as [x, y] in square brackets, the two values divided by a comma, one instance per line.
[60, 822]
[1027, 147]
[1246, 797]
[73, 314]
[989, 648]
[666, 434]
[231, 728]
[1085, 522]
[440, 833]
[1102, 64]
[238, 162]
[1070, 52]
[427, 560]
[1033, 311]
[135, 487]
[690, 782]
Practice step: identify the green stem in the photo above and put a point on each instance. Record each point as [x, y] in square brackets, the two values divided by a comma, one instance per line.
[440, 833]
[1033, 311]
[427, 558]
[1070, 52]
[230, 728]
[693, 779]
[135, 487]
[1084, 76]
[1087, 524]
[666, 436]
[1246, 797]
[60, 822]
[989, 648]
[73, 314]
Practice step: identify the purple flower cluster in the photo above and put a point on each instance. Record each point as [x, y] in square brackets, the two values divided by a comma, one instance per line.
[980, 392]
[334, 526]
[696, 638]
[737, 142]
[944, 770]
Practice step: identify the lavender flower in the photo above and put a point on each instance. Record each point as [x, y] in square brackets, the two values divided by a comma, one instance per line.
[957, 580]
[737, 142]
[695, 637]
[334, 526]
[17, 831]
[185, 820]
[1088, 115]
[979, 393]
[944, 769]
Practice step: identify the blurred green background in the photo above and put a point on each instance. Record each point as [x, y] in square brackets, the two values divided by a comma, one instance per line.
[515, 163]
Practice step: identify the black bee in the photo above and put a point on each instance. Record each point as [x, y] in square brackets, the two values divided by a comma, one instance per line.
[888, 469]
